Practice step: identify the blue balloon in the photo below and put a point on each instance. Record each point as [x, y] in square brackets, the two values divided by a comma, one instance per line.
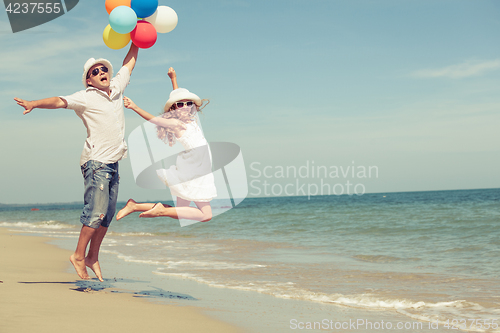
[144, 8]
[122, 19]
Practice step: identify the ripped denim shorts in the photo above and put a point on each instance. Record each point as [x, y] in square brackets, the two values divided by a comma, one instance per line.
[101, 192]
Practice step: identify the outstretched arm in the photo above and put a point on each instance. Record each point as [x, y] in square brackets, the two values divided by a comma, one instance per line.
[129, 104]
[46, 103]
[131, 57]
[173, 77]
[172, 123]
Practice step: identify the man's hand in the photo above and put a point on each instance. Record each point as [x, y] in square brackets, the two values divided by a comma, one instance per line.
[27, 105]
[46, 103]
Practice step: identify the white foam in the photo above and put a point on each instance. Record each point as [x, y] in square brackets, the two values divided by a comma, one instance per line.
[141, 261]
[210, 264]
[54, 225]
[372, 302]
[130, 234]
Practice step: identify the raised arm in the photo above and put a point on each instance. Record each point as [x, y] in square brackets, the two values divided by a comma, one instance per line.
[46, 103]
[173, 77]
[131, 57]
[173, 124]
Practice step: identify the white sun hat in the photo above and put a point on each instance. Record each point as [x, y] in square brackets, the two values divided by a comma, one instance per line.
[178, 95]
[91, 62]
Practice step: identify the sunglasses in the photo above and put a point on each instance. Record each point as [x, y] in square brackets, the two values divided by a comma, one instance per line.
[95, 71]
[182, 104]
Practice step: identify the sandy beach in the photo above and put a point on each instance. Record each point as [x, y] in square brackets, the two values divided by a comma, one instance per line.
[38, 294]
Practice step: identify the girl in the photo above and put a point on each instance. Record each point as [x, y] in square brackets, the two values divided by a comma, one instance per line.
[191, 179]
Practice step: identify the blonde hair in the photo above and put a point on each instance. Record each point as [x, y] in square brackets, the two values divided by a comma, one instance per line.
[169, 137]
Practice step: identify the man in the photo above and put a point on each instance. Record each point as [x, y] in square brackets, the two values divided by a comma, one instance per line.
[100, 106]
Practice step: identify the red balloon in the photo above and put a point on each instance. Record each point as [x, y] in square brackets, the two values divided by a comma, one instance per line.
[144, 35]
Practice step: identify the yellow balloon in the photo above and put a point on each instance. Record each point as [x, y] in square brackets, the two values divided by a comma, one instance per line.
[114, 40]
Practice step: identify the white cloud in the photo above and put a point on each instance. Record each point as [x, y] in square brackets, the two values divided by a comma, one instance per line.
[19, 56]
[466, 69]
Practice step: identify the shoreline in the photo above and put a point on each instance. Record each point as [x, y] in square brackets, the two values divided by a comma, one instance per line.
[139, 299]
[37, 292]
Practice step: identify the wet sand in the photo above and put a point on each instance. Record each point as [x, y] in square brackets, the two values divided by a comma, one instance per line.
[37, 294]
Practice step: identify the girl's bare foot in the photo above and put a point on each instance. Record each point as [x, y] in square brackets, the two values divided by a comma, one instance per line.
[95, 267]
[153, 212]
[129, 208]
[80, 268]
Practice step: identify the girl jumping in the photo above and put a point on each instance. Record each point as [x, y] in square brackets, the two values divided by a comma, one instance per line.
[191, 179]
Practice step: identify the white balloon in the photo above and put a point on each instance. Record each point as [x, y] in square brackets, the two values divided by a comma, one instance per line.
[164, 19]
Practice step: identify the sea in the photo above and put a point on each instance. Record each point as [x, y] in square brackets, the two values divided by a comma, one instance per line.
[428, 257]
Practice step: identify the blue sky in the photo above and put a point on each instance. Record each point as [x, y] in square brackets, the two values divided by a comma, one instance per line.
[410, 87]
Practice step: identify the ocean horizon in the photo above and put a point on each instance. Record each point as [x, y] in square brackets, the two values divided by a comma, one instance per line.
[77, 202]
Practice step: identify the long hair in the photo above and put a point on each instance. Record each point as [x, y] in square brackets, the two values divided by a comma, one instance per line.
[164, 134]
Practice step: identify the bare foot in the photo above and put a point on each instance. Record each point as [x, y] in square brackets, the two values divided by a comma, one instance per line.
[80, 268]
[153, 212]
[95, 267]
[129, 208]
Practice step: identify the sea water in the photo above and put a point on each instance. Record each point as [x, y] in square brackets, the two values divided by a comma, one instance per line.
[429, 256]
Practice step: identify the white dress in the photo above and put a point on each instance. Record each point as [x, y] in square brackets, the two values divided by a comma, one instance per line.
[191, 178]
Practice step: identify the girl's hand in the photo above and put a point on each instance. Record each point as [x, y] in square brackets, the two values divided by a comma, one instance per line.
[171, 73]
[173, 78]
[172, 125]
[176, 126]
[128, 103]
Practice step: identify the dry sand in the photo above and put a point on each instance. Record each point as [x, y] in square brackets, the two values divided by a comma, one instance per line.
[38, 295]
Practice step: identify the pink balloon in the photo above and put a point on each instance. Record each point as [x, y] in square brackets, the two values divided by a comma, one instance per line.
[144, 35]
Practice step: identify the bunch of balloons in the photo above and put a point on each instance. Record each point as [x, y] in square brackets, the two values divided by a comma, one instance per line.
[137, 20]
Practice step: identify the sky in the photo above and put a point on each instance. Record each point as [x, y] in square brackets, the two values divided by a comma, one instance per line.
[406, 89]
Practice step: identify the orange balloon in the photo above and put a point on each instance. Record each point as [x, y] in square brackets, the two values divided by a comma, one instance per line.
[112, 4]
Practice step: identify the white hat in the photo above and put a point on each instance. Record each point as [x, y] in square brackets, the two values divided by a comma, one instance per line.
[180, 94]
[91, 62]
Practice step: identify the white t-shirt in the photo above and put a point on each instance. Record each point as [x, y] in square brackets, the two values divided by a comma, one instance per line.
[103, 117]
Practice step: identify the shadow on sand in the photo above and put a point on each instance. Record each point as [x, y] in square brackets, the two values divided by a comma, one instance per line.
[96, 285]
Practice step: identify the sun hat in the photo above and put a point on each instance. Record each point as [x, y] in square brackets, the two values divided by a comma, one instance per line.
[91, 62]
[180, 94]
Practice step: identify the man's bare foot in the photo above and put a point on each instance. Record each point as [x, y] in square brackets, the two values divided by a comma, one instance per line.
[80, 268]
[95, 267]
[153, 212]
[129, 208]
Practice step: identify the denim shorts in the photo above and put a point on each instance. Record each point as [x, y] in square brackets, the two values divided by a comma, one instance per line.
[101, 192]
